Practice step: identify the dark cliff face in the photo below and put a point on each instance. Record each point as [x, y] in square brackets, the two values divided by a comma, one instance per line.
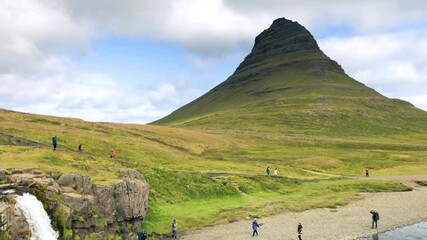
[284, 37]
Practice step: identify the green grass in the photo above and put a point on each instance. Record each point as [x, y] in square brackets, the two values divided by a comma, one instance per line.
[202, 179]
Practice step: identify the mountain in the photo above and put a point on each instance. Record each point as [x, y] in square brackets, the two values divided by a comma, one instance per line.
[288, 85]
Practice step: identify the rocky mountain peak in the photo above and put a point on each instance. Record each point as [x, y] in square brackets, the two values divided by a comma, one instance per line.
[283, 37]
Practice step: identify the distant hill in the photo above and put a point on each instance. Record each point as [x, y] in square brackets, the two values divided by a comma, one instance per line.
[288, 85]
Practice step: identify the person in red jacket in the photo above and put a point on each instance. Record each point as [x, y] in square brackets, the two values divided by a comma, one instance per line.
[366, 173]
[113, 154]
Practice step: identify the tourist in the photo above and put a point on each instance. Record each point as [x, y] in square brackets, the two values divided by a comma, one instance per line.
[366, 172]
[80, 147]
[54, 142]
[255, 227]
[375, 218]
[275, 172]
[174, 226]
[299, 230]
[142, 235]
[268, 171]
[113, 154]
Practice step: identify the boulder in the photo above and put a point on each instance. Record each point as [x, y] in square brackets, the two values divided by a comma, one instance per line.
[80, 183]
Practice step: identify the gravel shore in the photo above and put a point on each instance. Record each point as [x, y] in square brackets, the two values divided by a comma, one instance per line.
[348, 222]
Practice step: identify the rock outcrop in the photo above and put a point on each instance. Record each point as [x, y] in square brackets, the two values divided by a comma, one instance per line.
[79, 208]
[282, 38]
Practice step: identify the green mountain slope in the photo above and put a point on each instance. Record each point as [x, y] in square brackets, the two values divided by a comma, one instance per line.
[288, 85]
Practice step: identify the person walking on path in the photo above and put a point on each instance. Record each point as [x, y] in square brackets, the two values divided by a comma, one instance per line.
[299, 230]
[375, 218]
[80, 147]
[174, 226]
[366, 173]
[275, 172]
[54, 142]
[268, 171]
[113, 154]
[255, 227]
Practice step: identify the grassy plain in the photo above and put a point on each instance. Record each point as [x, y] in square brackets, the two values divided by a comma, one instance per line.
[202, 178]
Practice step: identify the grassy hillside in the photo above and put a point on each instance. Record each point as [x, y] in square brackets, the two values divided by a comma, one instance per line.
[204, 178]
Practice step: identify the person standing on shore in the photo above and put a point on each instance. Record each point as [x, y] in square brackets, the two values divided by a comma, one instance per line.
[375, 218]
[54, 142]
[299, 230]
[255, 227]
[366, 172]
[268, 171]
[174, 227]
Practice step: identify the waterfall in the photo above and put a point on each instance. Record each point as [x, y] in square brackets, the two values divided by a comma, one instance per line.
[36, 217]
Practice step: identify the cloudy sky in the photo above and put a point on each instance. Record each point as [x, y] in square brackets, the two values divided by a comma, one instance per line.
[138, 60]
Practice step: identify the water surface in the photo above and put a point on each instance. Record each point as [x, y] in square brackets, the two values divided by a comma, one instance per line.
[416, 231]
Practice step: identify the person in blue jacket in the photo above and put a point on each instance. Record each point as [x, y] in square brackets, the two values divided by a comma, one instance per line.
[54, 142]
[255, 227]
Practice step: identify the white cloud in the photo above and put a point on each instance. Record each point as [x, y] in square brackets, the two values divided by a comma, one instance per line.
[362, 15]
[392, 63]
[31, 31]
[419, 101]
[93, 97]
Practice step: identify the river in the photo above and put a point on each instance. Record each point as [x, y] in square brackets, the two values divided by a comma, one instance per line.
[416, 231]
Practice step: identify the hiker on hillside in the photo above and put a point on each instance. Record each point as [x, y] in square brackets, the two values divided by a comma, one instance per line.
[174, 226]
[54, 142]
[142, 235]
[366, 172]
[275, 172]
[268, 171]
[255, 227]
[80, 147]
[299, 230]
[375, 218]
[113, 154]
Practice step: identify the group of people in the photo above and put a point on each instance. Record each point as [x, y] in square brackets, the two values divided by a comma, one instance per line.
[255, 227]
[375, 218]
[268, 171]
[79, 148]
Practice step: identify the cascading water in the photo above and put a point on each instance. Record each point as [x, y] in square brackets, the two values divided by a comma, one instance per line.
[36, 217]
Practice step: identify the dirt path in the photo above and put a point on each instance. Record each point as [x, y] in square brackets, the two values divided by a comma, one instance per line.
[338, 140]
[348, 222]
[408, 180]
